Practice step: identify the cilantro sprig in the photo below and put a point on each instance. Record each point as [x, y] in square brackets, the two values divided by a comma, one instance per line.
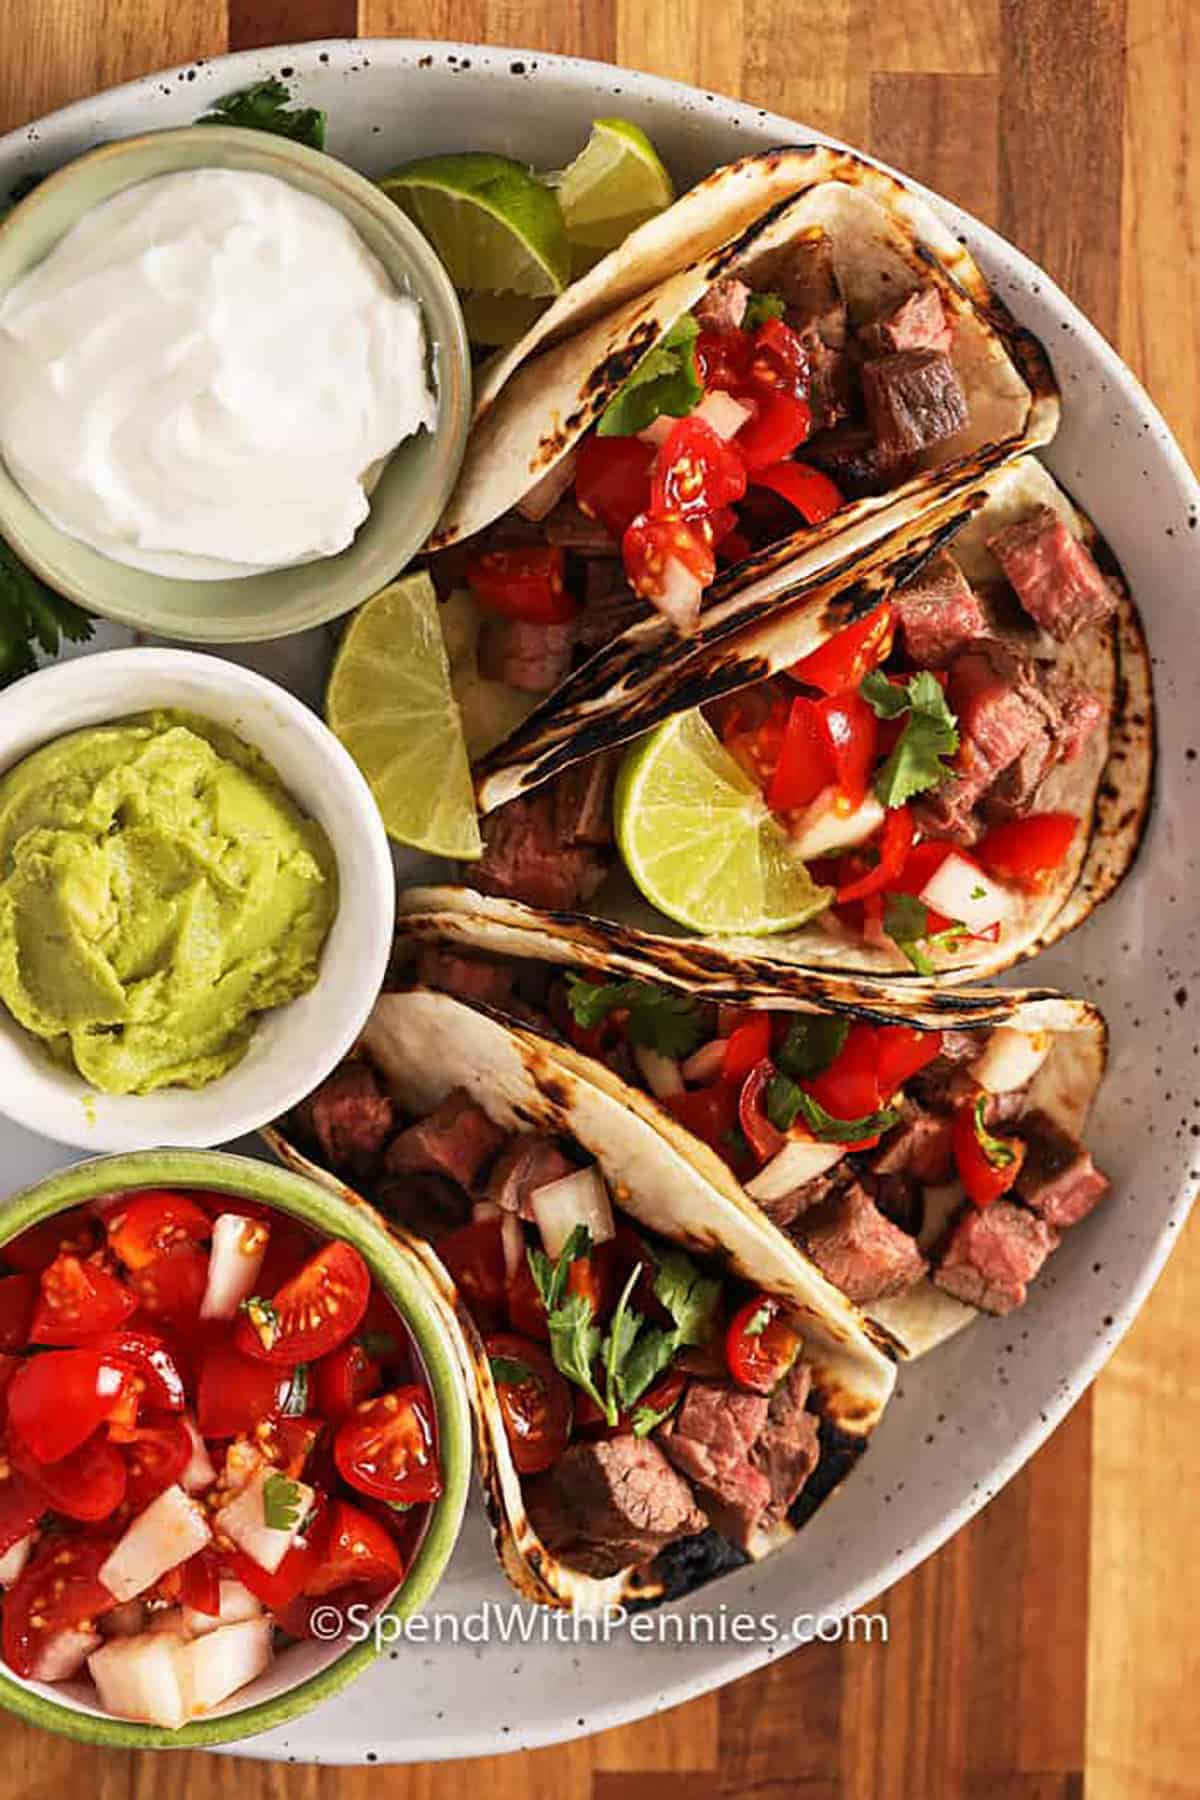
[906, 922]
[811, 1045]
[930, 734]
[282, 1500]
[32, 617]
[760, 308]
[786, 1102]
[267, 106]
[665, 381]
[659, 1019]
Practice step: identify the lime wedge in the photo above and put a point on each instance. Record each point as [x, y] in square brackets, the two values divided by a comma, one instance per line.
[500, 319]
[390, 703]
[497, 228]
[615, 183]
[698, 838]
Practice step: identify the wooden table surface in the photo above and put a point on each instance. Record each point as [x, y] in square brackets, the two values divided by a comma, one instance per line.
[1045, 1652]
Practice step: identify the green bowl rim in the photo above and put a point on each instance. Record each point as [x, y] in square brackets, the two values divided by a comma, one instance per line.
[435, 290]
[402, 1281]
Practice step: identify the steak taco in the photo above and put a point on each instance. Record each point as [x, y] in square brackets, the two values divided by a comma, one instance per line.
[926, 1156]
[665, 1385]
[926, 759]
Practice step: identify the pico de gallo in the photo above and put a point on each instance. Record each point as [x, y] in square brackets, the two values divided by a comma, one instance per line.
[616, 1357]
[212, 1421]
[891, 1153]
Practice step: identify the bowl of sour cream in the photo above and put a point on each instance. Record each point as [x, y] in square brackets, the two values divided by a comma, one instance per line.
[234, 384]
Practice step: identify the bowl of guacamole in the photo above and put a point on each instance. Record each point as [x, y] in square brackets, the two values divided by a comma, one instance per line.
[196, 900]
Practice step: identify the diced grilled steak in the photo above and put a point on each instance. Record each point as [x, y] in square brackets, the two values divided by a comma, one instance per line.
[466, 977]
[1071, 712]
[457, 1140]
[525, 653]
[914, 399]
[858, 1249]
[1001, 710]
[850, 456]
[1014, 793]
[993, 1254]
[806, 279]
[583, 802]
[709, 1439]
[920, 322]
[524, 858]
[920, 1146]
[611, 1503]
[940, 614]
[787, 1450]
[350, 1115]
[901, 1198]
[428, 1205]
[832, 380]
[1058, 1179]
[526, 1163]
[1053, 575]
[572, 529]
[1080, 711]
[724, 305]
[785, 1209]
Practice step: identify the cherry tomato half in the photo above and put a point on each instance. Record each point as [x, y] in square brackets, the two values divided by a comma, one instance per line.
[709, 1113]
[849, 654]
[780, 424]
[900, 1053]
[805, 766]
[350, 1547]
[35, 1249]
[22, 1504]
[760, 1347]
[746, 1048]
[156, 1456]
[147, 1225]
[534, 1399]
[663, 552]
[58, 1591]
[474, 1256]
[18, 1297]
[343, 1378]
[78, 1299]
[812, 493]
[695, 472]
[235, 1392]
[386, 1448]
[984, 1176]
[89, 1484]
[57, 1399]
[171, 1287]
[311, 1314]
[153, 1362]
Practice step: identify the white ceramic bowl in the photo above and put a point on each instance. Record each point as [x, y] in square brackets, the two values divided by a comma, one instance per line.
[296, 1045]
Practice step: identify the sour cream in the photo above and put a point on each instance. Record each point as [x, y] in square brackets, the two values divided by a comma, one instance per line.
[205, 375]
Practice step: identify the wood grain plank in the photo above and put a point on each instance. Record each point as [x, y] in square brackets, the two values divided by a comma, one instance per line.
[806, 61]
[575, 27]
[963, 39]
[253, 23]
[689, 40]
[785, 1718]
[943, 130]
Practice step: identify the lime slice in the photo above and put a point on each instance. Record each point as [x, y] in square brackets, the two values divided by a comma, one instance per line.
[500, 319]
[497, 228]
[698, 838]
[615, 183]
[389, 701]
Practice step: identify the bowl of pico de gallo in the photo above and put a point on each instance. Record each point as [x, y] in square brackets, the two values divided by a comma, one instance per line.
[231, 1409]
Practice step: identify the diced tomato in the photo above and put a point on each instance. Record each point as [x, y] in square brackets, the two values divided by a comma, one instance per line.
[779, 359]
[760, 1347]
[983, 1179]
[812, 493]
[747, 1047]
[22, 1504]
[849, 1087]
[723, 359]
[200, 1583]
[895, 842]
[780, 424]
[57, 1399]
[171, 1288]
[278, 1589]
[474, 1256]
[89, 1484]
[235, 1392]
[35, 1249]
[18, 1297]
[695, 472]
[350, 1547]
[523, 1303]
[149, 1224]
[612, 480]
[156, 1457]
[850, 654]
[654, 543]
[343, 1378]
[805, 765]
[1028, 851]
[850, 729]
[59, 1590]
[709, 1113]
[764, 1138]
[78, 1299]
[901, 1052]
[311, 1314]
[523, 583]
[386, 1447]
[534, 1399]
[153, 1362]
[289, 1442]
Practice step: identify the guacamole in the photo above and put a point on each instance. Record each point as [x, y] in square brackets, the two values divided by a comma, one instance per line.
[158, 890]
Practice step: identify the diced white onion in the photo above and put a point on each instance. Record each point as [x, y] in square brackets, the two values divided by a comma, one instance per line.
[722, 413]
[64, 1655]
[661, 1072]
[800, 1160]
[171, 1529]
[221, 1662]
[200, 1472]
[680, 599]
[483, 1210]
[959, 889]
[512, 1242]
[579, 1198]
[141, 1678]
[14, 1560]
[236, 1604]
[1010, 1059]
[546, 493]
[238, 1248]
[706, 1063]
[244, 1520]
[825, 826]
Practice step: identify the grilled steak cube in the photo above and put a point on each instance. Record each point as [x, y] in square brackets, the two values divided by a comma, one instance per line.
[785, 1209]
[940, 614]
[612, 1503]
[525, 859]
[806, 279]
[1014, 793]
[525, 1164]
[429, 1205]
[457, 1140]
[832, 380]
[858, 1249]
[350, 1116]
[920, 1146]
[1001, 711]
[526, 654]
[992, 1255]
[787, 1448]
[914, 399]
[850, 456]
[1058, 1179]
[572, 529]
[1072, 712]
[724, 305]
[920, 322]
[901, 1198]
[466, 977]
[1053, 575]
[1079, 712]
[709, 1439]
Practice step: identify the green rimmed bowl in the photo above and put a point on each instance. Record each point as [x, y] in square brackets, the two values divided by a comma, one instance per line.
[411, 491]
[304, 1674]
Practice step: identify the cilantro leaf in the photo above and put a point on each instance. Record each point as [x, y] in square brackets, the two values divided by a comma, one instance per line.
[665, 381]
[760, 308]
[811, 1045]
[295, 1404]
[999, 1151]
[659, 1019]
[512, 1372]
[622, 1332]
[549, 1275]
[575, 1344]
[645, 1418]
[266, 106]
[906, 922]
[758, 1321]
[32, 614]
[785, 1100]
[282, 1501]
[690, 1297]
[931, 733]
[653, 1351]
